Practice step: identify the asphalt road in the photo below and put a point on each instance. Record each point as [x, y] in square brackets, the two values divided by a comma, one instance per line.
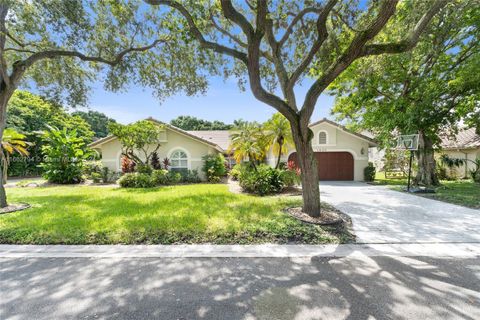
[240, 288]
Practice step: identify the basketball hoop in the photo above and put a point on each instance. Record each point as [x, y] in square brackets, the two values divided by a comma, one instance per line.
[408, 142]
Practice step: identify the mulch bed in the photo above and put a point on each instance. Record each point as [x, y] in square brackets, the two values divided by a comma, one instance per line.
[329, 215]
[14, 207]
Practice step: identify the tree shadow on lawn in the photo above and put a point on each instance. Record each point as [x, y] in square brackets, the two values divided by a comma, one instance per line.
[240, 288]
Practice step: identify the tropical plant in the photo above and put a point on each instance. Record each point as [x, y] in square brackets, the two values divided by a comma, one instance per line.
[64, 156]
[278, 135]
[247, 141]
[128, 165]
[30, 113]
[12, 142]
[166, 163]
[155, 161]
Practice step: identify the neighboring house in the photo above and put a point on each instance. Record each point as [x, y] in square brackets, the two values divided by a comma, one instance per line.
[464, 145]
[341, 153]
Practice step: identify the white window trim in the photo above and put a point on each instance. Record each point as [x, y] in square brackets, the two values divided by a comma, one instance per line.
[326, 138]
[189, 158]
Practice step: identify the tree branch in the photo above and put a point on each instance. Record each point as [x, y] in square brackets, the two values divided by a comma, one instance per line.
[197, 33]
[3, 32]
[233, 15]
[226, 33]
[20, 67]
[354, 50]
[411, 40]
[322, 35]
[295, 20]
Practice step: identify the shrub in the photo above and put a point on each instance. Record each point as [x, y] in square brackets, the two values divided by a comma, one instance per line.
[144, 168]
[108, 176]
[136, 180]
[96, 177]
[290, 178]
[369, 172]
[475, 174]
[236, 171]
[174, 177]
[265, 180]
[214, 167]
[190, 176]
[65, 154]
[90, 167]
[159, 177]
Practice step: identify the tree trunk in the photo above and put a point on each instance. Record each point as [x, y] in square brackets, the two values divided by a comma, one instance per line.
[4, 97]
[280, 145]
[426, 174]
[308, 166]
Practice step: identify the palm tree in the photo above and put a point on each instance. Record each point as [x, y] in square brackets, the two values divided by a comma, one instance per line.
[278, 135]
[12, 141]
[247, 140]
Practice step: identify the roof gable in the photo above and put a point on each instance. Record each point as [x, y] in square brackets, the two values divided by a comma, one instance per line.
[371, 141]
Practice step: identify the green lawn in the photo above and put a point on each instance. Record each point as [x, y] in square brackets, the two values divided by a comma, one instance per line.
[462, 192]
[175, 214]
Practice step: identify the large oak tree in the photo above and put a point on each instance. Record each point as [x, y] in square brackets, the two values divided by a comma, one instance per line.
[275, 45]
[59, 47]
[429, 90]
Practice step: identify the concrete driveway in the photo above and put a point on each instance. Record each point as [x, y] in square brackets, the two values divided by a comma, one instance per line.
[381, 215]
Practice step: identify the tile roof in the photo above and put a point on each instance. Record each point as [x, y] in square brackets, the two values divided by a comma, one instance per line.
[464, 139]
[219, 137]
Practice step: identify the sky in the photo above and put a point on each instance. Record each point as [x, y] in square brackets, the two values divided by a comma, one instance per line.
[223, 101]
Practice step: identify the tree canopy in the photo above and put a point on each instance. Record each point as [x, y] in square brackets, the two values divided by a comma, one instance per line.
[428, 90]
[98, 121]
[193, 123]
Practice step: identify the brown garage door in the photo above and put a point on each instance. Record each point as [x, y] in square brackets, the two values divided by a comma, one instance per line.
[332, 165]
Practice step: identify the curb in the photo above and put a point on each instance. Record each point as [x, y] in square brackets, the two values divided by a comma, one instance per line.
[240, 251]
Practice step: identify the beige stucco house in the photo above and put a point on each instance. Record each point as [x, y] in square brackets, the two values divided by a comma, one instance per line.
[184, 149]
[464, 145]
[342, 154]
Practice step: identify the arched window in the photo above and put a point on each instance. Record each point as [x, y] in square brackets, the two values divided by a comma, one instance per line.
[322, 138]
[179, 160]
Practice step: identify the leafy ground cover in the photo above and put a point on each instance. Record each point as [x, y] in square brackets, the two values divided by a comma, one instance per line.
[462, 192]
[198, 213]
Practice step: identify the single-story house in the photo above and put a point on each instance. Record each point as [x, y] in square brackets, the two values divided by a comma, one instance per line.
[341, 153]
[464, 145]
